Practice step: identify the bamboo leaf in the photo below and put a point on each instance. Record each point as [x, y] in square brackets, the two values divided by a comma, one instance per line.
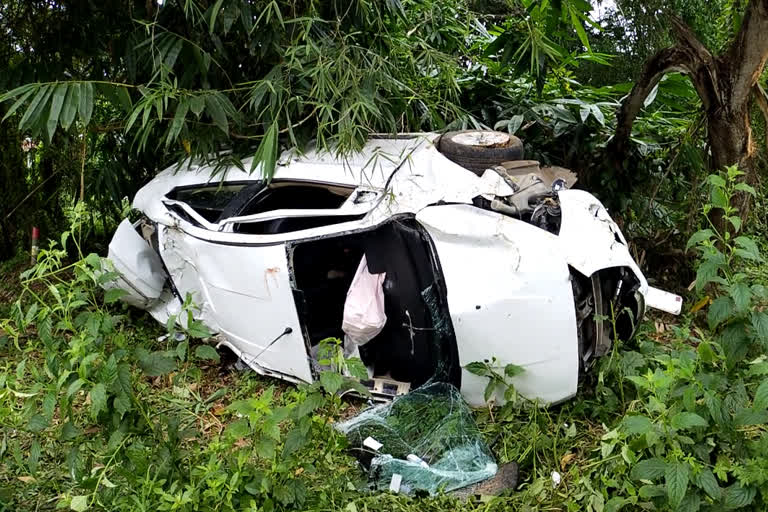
[18, 103]
[576, 22]
[70, 105]
[85, 107]
[17, 91]
[178, 121]
[173, 53]
[40, 98]
[214, 14]
[59, 94]
[266, 154]
[215, 110]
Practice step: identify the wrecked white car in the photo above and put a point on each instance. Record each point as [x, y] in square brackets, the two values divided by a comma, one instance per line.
[457, 266]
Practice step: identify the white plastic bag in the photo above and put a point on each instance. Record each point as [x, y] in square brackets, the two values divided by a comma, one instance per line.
[364, 315]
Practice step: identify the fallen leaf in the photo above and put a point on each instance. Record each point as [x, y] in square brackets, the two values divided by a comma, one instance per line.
[703, 302]
[27, 479]
[567, 458]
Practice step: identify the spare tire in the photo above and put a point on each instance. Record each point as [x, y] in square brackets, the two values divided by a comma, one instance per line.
[478, 150]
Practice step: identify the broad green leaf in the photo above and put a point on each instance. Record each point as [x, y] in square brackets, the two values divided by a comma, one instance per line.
[598, 114]
[98, 399]
[49, 405]
[649, 469]
[308, 405]
[113, 295]
[85, 108]
[686, 420]
[295, 440]
[75, 387]
[746, 417]
[156, 364]
[477, 368]
[718, 198]
[743, 187]
[652, 491]
[122, 404]
[79, 503]
[331, 381]
[741, 295]
[637, 424]
[699, 236]
[759, 321]
[716, 180]
[356, 368]
[735, 222]
[736, 496]
[707, 482]
[197, 329]
[173, 53]
[761, 396]
[748, 247]
[676, 479]
[37, 423]
[513, 370]
[207, 352]
[719, 311]
[265, 448]
[489, 389]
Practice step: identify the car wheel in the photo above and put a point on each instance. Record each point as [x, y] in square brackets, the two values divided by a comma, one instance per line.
[478, 150]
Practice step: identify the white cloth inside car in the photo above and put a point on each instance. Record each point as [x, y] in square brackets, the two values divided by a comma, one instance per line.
[364, 315]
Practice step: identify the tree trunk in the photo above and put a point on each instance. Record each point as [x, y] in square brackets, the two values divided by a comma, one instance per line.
[725, 85]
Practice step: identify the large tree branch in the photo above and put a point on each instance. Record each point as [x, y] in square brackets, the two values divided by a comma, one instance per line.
[666, 61]
[746, 57]
[702, 69]
[762, 101]
[689, 56]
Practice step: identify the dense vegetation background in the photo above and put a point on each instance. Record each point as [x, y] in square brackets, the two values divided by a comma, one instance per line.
[97, 97]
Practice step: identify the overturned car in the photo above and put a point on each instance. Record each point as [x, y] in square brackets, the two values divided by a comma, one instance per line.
[460, 263]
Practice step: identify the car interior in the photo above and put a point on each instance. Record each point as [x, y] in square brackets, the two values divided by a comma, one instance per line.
[218, 202]
[417, 342]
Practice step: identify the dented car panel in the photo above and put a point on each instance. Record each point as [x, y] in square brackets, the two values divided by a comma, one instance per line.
[586, 226]
[509, 292]
[468, 276]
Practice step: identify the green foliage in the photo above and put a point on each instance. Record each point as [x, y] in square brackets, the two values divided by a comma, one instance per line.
[725, 253]
[241, 73]
[113, 421]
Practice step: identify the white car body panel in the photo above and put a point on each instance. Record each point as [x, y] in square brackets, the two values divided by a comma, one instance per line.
[509, 294]
[141, 270]
[245, 294]
[508, 282]
[587, 226]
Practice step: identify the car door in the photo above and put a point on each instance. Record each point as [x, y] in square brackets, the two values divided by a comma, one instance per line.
[237, 272]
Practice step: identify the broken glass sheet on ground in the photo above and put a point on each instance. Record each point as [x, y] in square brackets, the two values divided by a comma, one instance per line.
[425, 440]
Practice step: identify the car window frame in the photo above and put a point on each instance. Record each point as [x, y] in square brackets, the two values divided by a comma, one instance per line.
[222, 231]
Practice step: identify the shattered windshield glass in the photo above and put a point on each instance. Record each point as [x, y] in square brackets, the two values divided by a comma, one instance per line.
[425, 440]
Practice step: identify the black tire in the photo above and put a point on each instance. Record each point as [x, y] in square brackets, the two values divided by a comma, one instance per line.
[478, 150]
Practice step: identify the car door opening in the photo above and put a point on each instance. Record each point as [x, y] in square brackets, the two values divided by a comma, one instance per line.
[417, 342]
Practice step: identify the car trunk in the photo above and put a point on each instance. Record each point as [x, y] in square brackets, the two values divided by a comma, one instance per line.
[417, 342]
